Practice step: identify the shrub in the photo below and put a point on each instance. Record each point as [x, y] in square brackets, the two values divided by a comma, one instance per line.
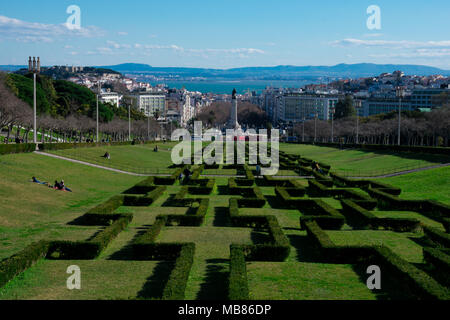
[237, 285]
[253, 198]
[70, 250]
[413, 279]
[16, 264]
[142, 187]
[440, 263]
[151, 235]
[109, 206]
[17, 148]
[104, 237]
[176, 285]
[360, 217]
[437, 236]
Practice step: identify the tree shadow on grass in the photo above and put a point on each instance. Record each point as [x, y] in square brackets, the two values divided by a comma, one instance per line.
[126, 252]
[154, 285]
[215, 284]
[221, 217]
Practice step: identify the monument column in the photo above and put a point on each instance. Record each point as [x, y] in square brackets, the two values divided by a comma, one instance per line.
[233, 122]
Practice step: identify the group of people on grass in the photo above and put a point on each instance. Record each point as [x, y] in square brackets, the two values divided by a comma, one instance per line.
[57, 186]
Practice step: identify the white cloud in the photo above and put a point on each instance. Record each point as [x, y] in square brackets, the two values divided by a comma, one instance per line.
[400, 44]
[419, 53]
[122, 33]
[23, 31]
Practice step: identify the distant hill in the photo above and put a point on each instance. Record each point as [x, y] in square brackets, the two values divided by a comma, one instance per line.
[270, 73]
[282, 72]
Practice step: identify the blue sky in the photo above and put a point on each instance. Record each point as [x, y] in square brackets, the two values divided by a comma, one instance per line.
[226, 34]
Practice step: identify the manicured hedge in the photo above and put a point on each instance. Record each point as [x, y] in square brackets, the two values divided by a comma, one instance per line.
[205, 187]
[276, 250]
[194, 217]
[17, 148]
[18, 263]
[152, 233]
[437, 236]
[365, 184]
[440, 263]
[318, 190]
[411, 278]
[253, 198]
[109, 206]
[432, 209]
[143, 201]
[168, 181]
[73, 250]
[176, 285]
[63, 146]
[104, 237]
[322, 213]
[142, 187]
[359, 217]
[238, 284]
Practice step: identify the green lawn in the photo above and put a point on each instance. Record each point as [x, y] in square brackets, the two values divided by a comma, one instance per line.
[363, 163]
[138, 158]
[305, 281]
[430, 184]
[30, 212]
[100, 279]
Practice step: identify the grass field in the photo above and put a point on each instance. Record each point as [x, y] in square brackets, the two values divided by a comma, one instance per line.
[361, 163]
[30, 212]
[431, 184]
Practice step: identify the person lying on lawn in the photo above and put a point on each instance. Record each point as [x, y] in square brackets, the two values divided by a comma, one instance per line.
[34, 180]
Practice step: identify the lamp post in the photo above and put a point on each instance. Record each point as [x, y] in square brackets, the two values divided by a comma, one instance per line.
[303, 135]
[34, 109]
[315, 123]
[148, 127]
[332, 112]
[358, 104]
[129, 122]
[35, 68]
[98, 93]
[399, 93]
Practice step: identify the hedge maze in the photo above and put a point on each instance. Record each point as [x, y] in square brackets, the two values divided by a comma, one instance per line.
[308, 222]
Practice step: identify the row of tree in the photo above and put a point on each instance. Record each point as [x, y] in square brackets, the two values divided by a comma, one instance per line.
[417, 129]
[16, 119]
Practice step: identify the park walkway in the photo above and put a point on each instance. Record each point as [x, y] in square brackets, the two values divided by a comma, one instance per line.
[400, 173]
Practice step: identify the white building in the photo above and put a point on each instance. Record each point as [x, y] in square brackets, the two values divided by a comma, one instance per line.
[149, 104]
[292, 107]
[110, 97]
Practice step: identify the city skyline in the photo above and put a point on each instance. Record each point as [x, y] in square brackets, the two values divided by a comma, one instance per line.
[238, 34]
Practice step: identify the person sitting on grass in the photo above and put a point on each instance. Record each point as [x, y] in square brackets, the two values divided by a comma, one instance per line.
[56, 186]
[318, 168]
[107, 156]
[156, 149]
[63, 186]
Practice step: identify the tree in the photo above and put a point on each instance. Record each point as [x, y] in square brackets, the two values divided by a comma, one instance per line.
[345, 108]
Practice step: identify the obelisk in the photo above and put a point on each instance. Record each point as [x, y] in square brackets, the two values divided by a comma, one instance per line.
[233, 122]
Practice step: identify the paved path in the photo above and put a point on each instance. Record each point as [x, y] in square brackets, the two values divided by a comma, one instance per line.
[234, 176]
